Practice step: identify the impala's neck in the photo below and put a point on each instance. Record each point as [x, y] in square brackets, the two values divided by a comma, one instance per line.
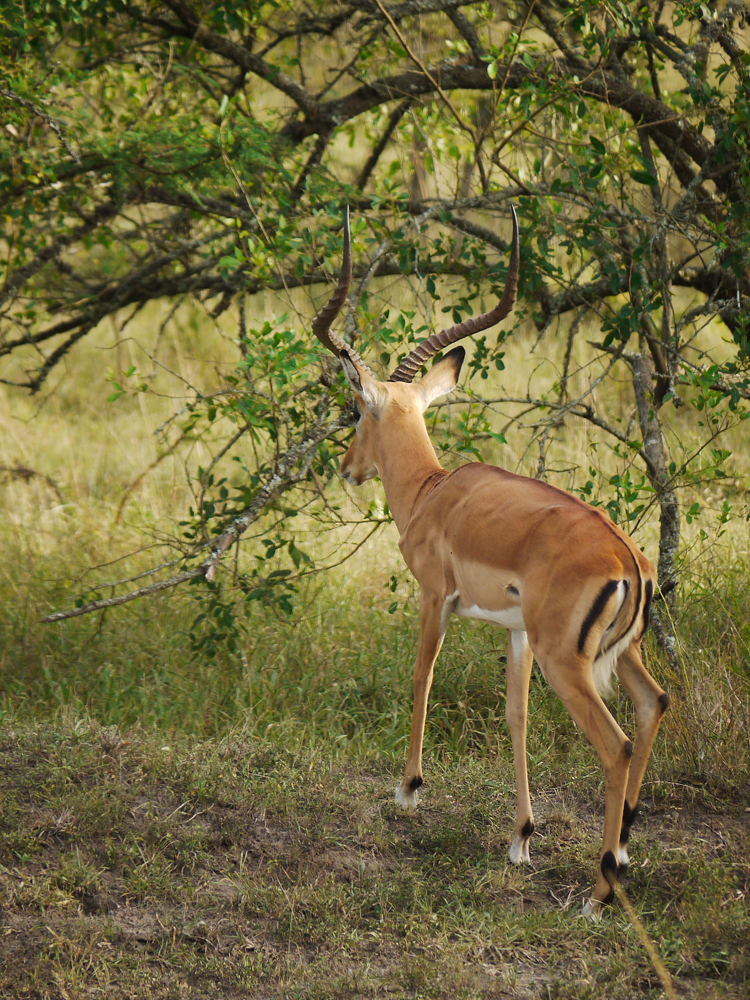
[407, 465]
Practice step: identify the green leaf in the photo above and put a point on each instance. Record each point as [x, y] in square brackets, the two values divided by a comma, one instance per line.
[643, 177]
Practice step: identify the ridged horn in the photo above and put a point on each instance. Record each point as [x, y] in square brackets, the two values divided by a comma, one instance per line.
[439, 341]
[321, 325]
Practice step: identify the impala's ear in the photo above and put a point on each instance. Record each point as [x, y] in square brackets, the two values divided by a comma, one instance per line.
[363, 383]
[442, 377]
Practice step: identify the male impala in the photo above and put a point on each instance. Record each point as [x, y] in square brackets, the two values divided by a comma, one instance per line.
[569, 586]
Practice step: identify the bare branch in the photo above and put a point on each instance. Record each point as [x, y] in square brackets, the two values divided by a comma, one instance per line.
[113, 602]
[48, 119]
[243, 57]
[393, 120]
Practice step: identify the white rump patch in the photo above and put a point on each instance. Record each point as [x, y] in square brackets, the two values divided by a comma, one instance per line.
[604, 665]
[622, 593]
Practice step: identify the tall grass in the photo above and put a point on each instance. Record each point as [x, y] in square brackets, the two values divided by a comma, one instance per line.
[338, 670]
[337, 673]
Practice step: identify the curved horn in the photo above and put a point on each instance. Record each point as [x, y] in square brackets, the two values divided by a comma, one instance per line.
[321, 325]
[438, 341]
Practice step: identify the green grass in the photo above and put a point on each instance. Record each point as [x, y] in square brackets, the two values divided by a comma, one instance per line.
[339, 671]
[129, 864]
[177, 826]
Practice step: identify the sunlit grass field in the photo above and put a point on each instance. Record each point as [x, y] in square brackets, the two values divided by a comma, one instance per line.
[90, 492]
[302, 730]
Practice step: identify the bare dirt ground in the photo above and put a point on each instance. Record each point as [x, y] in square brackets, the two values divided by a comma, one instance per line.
[133, 870]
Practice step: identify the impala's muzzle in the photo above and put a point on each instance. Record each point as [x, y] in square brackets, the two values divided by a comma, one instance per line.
[357, 465]
[355, 477]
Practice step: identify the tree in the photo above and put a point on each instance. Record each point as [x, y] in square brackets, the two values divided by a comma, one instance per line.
[182, 149]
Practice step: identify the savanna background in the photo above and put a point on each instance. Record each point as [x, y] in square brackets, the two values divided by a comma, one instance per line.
[196, 785]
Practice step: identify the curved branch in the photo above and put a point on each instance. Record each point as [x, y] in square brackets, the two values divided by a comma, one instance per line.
[193, 27]
[106, 211]
[410, 84]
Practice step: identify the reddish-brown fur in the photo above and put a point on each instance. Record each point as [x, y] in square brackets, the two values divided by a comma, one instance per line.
[485, 542]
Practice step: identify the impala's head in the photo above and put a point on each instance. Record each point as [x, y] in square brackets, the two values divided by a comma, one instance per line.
[385, 408]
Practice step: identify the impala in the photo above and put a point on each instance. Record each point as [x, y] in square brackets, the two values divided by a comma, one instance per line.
[571, 588]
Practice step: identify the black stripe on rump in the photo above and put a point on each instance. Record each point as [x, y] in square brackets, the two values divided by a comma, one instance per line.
[638, 595]
[647, 605]
[596, 609]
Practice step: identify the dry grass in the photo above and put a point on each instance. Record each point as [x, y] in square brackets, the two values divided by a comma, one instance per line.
[157, 866]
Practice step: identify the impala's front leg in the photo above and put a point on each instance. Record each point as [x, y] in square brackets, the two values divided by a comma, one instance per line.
[432, 629]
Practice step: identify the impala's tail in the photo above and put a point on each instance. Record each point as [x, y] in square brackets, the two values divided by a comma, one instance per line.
[623, 607]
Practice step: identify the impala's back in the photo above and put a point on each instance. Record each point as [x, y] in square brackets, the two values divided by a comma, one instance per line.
[531, 558]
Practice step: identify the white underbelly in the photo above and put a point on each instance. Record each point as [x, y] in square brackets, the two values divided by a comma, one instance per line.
[508, 618]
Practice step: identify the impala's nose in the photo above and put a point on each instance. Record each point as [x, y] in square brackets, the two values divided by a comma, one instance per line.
[349, 477]
[356, 479]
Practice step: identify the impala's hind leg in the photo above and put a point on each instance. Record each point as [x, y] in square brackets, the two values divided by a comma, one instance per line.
[574, 684]
[650, 704]
[518, 675]
[432, 621]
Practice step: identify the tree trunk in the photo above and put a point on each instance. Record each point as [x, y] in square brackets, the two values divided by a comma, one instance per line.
[664, 610]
